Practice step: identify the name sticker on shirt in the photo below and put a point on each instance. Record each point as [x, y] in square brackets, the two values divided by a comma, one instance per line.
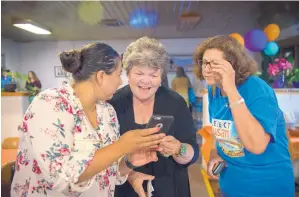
[228, 138]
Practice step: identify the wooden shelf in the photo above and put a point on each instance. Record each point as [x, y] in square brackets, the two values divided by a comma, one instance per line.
[14, 94]
[287, 90]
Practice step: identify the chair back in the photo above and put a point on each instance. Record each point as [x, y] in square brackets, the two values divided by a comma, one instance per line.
[7, 173]
[10, 143]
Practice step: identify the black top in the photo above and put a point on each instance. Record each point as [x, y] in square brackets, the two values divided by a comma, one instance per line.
[171, 178]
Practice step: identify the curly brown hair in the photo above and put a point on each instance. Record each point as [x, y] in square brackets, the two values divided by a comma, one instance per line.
[233, 52]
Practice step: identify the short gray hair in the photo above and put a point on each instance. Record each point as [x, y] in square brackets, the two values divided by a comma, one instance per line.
[146, 51]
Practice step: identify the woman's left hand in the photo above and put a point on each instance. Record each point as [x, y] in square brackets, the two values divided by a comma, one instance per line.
[169, 146]
[227, 73]
[143, 157]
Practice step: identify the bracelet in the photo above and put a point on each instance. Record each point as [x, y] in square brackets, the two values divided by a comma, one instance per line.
[129, 164]
[183, 150]
[238, 102]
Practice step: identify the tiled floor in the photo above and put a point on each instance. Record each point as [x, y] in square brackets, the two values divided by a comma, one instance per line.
[197, 185]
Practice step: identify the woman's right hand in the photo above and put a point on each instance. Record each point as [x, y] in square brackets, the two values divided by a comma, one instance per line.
[136, 180]
[214, 159]
[135, 140]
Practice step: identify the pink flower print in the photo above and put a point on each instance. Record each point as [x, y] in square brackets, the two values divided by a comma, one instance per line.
[69, 109]
[63, 91]
[54, 167]
[108, 172]
[106, 181]
[28, 115]
[64, 151]
[43, 156]
[36, 168]
[21, 159]
[78, 129]
[25, 127]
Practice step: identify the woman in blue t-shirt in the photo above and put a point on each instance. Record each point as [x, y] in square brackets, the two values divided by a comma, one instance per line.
[248, 126]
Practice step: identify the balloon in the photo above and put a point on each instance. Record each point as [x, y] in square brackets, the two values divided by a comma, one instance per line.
[90, 12]
[238, 37]
[271, 49]
[255, 40]
[272, 31]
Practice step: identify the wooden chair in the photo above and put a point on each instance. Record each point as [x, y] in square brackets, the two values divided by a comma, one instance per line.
[206, 147]
[291, 148]
[7, 172]
[10, 143]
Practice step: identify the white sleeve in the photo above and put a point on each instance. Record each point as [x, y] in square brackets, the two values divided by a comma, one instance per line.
[50, 124]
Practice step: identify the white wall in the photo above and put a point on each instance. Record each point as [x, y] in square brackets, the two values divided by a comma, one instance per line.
[289, 32]
[12, 54]
[41, 57]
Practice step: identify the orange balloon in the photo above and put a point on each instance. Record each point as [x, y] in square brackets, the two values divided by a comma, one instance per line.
[272, 31]
[238, 37]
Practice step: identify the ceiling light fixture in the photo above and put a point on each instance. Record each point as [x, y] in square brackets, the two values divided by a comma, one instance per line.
[31, 27]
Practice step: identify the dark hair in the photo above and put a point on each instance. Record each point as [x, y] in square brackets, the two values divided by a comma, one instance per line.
[180, 72]
[233, 52]
[34, 75]
[90, 59]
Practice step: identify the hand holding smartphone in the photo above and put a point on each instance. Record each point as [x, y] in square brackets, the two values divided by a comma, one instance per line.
[218, 167]
[162, 122]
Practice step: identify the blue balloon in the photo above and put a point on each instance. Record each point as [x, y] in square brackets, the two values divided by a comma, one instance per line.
[271, 49]
[255, 40]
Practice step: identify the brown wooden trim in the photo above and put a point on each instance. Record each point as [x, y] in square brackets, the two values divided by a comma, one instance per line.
[14, 94]
[287, 90]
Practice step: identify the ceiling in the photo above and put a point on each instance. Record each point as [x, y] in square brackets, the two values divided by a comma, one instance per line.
[216, 17]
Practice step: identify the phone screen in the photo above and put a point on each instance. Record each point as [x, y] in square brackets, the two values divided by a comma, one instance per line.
[163, 122]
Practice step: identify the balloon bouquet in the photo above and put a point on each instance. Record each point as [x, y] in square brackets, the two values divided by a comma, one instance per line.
[257, 40]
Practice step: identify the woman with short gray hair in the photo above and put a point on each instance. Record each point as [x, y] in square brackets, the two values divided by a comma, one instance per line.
[145, 61]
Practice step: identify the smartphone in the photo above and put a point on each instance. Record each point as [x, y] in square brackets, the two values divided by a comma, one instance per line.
[150, 189]
[218, 167]
[162, 122]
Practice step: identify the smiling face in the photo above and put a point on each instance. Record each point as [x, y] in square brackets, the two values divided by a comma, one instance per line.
[144, 81]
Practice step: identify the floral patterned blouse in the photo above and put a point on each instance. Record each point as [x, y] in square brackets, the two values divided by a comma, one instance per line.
[57, 142]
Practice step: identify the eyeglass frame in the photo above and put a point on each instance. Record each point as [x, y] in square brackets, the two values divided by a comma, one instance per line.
[200, 64]
[208, 62]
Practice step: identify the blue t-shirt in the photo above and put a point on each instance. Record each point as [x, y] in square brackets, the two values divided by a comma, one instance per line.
[269, 174]
[5, 81]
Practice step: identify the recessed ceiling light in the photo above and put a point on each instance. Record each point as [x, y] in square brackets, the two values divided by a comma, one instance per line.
[31, 27]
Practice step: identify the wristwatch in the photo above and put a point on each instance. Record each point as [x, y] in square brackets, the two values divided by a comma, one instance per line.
[183, 150]
[128, 163]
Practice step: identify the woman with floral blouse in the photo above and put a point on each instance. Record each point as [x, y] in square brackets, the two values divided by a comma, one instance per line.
[69, 137]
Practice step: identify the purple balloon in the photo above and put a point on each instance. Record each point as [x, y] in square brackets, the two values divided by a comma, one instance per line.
[255, 40]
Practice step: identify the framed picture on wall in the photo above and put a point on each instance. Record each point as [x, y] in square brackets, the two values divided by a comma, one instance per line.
[60, 72]
[185, 61]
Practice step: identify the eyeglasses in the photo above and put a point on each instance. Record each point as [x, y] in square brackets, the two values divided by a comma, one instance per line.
[206, 64]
